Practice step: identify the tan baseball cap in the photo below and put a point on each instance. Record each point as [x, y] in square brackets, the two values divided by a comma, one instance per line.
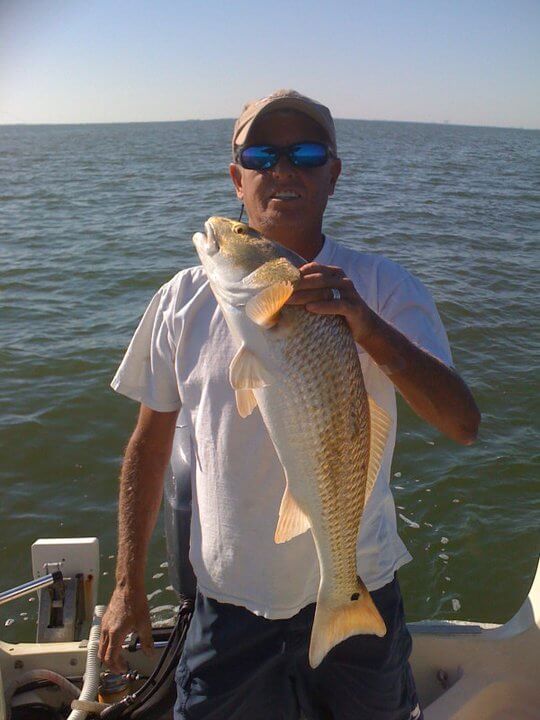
[283, 100]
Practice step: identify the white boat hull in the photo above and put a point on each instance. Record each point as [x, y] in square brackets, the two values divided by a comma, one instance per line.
[463, 671]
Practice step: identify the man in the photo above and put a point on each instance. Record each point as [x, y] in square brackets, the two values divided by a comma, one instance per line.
[245, 656]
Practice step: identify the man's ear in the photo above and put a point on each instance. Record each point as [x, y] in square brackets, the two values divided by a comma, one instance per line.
[334, 174]
[235, 171]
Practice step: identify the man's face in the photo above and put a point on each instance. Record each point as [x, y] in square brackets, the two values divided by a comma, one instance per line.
[275, 216]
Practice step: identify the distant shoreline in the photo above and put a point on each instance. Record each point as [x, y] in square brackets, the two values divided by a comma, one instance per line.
[231, 120]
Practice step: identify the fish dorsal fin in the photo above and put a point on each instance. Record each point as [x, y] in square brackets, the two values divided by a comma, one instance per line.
[264, 308]
[272, 271]
[292, 519]
[380, 423]
[246, 402]
[247, 371]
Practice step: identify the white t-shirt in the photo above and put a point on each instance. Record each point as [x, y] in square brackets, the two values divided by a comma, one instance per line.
[180, 356]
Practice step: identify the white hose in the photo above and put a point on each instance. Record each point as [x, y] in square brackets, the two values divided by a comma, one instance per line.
[90, 706]
[35, 675]
[91, 676]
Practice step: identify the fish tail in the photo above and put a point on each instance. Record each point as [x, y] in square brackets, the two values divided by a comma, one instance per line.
[334, 623]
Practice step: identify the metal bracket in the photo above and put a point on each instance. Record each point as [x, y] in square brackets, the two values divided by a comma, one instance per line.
[61, 611]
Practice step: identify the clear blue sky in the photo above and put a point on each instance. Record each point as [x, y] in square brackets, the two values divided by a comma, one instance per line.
[462, 61]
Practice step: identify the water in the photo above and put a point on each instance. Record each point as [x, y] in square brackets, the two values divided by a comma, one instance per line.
[94, 218]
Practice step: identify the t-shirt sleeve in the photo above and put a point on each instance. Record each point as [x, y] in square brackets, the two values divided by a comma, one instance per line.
[410, 309]
[147, 372]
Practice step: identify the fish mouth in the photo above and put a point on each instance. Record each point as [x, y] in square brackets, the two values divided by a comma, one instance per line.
[206, 242]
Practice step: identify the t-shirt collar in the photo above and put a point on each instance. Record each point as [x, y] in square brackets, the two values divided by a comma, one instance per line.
[325, 254]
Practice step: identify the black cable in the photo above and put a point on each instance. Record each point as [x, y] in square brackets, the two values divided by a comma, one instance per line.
[36, 685]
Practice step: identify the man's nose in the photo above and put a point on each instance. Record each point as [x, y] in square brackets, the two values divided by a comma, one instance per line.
[283, 167]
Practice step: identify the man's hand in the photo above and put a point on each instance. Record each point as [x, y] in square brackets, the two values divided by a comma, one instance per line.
[127, 612]
[434, 391]
[315, 292]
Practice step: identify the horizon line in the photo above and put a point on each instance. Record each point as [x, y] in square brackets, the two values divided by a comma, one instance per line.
[444, 123]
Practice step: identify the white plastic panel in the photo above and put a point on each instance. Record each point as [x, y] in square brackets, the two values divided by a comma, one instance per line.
[71, 556]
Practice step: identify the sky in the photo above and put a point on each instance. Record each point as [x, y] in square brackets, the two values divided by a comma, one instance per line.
[474, 62]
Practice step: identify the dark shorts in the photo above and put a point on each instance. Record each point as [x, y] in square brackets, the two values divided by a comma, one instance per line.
[239, 666]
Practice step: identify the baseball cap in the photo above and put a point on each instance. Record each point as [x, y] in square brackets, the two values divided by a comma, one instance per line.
[283, 100]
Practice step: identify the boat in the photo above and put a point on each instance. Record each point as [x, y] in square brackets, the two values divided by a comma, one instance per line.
[480, 671]
[463, 670]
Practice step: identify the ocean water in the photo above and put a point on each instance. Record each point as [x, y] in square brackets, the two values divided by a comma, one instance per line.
[94, 218]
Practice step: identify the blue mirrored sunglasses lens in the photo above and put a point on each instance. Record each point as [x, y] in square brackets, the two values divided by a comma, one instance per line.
[303, 155]
[308, 154]
[258, 157]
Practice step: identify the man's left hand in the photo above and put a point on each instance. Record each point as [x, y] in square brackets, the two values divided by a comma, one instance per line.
[314, 291]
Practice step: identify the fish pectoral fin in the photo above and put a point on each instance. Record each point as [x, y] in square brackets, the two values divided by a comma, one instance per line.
[380, 424]
[264, 308]
[333, 623]
[247, 371]
[292, 520]
[246, 402]
[279, 269]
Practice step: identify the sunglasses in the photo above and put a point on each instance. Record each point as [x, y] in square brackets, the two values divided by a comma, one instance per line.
[301, 155]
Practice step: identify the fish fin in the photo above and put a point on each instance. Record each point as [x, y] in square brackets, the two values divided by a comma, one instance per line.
[272, 271]
[247, 371]
[380, 423]
[334, 623]
[292, 520]
[264, 308]
[246, 402]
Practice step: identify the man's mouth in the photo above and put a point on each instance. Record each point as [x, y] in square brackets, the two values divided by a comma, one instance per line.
[285, 195]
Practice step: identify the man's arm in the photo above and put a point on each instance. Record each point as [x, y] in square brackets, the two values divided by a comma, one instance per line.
[434, 391]
[141, 489]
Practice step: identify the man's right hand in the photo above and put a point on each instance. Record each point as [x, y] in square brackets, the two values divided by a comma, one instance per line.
[127, 612]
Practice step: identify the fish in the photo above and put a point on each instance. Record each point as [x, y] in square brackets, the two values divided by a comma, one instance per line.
[302, 371]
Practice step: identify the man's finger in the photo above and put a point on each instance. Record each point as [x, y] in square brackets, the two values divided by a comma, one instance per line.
[301, 297]
[113, 655]
[103, 644]
[315, 282]
[147, 642]
[316, 268]
[321, 278]
[321, 292]
[327, 307]
[148, 649]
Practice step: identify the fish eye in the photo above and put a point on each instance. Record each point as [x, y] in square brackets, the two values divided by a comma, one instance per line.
[239, 230]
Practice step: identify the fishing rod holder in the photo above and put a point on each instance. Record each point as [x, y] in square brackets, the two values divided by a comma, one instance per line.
[61, 605]
[61, 611]
[66, 572]
[64, 607]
